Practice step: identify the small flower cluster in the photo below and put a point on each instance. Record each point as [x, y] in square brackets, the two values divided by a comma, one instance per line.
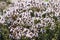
[28, 18]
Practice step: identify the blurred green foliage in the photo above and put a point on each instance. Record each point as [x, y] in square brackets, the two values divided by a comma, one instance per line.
[35, 9]
[46, 0]
[36, 21]
[51, 34]
[32, 14]
[44, 15]
[4, 32]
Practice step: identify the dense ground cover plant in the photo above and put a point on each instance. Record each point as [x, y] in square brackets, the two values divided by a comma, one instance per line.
[30, 20]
